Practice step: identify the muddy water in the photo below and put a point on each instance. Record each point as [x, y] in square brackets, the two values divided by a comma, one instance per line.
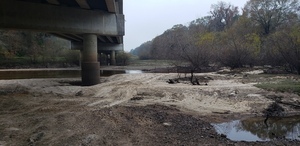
[254, 129]
[30, 74]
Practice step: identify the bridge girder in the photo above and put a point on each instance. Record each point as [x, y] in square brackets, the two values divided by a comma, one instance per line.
[56, 19]
[91, 25]
[101, 46]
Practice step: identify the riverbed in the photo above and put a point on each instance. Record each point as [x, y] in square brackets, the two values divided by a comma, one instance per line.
[129, 109]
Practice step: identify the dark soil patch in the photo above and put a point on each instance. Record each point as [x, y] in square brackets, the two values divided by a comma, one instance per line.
[46, 121]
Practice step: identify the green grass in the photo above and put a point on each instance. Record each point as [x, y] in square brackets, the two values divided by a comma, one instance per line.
[287, 85]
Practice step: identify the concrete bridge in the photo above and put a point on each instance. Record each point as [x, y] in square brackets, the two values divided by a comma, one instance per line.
[92, 26]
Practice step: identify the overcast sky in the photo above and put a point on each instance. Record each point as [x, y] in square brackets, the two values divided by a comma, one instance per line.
[146, 19]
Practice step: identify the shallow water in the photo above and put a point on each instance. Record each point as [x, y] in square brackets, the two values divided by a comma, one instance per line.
[133, 71]
[33, 74]
[254, 129]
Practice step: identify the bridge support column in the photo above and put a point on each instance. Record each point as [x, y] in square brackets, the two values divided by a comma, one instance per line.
[90, 67]
[113, 57]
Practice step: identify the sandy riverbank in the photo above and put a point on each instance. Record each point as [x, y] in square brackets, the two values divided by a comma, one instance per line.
[126, 109]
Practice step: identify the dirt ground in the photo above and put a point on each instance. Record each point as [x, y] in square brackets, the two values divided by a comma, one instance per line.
[130, 109]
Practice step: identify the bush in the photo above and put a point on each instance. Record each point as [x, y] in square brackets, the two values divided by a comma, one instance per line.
[72, 57]
[122, 58]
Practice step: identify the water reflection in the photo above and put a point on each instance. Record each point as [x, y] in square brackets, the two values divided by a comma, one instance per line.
[30, 74]
[107, 73]
[254, 129]
[133, 71]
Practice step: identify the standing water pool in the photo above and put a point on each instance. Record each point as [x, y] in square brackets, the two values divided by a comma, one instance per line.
[254, 129]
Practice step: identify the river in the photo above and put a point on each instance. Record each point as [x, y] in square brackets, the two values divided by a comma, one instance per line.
[54, 73]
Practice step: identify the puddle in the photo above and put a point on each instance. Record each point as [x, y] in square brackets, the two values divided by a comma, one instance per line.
[254, 129]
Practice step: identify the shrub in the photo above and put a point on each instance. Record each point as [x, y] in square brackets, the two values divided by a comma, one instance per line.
[122, 58]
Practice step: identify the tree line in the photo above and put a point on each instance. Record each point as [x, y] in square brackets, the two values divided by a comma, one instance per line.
[35, 49]
[264, 32]
[23, 49]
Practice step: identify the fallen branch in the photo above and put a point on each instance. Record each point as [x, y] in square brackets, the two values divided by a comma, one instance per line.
[221, 112]
[290, 104]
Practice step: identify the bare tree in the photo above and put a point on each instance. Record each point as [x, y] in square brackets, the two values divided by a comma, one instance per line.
[191, 50]
[239, 45]
[286, 43]
[181, 43]
[223, 15]
[270, 14]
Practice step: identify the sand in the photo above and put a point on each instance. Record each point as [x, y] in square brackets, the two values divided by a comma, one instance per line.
[127, 109]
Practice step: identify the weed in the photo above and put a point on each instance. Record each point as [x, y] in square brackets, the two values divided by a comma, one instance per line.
[282, 86]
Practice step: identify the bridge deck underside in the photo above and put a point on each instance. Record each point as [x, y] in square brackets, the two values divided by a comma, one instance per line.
[108, 7]
[91, 25]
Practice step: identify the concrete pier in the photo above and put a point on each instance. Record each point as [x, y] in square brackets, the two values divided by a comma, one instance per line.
[90, 67]
[113, 57]
[92, 27]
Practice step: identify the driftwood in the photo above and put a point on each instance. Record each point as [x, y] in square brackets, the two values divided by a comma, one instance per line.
[137, 98]
[290, 104]
[278, 99]
[273, 110]
[194, 81]
[221, 112]
[173, 81]
[201, 79]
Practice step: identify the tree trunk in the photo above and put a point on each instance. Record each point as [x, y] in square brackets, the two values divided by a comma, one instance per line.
[192, 76]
